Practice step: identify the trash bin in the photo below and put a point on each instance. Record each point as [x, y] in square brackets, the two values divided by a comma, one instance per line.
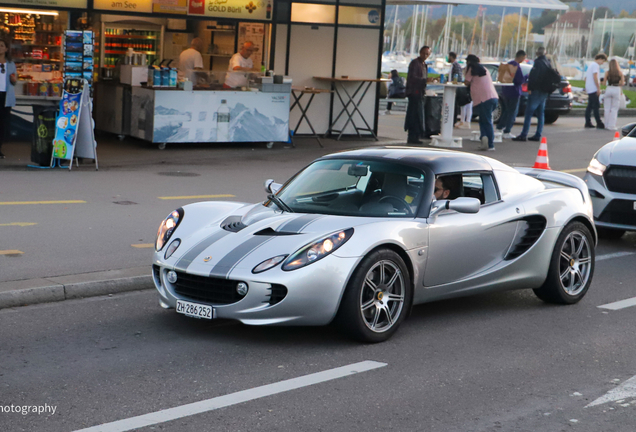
[433, 115]
[43, 133]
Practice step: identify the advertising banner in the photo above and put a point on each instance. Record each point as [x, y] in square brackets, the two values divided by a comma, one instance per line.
[52, 4]
[175, 7]
[354, 15]
[238, 9]
[204, 116]
[74, 135]
[143, 6]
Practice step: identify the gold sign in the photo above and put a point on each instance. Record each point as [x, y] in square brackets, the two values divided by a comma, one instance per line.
[79, 4]
[143, 6]
[174, 7]
[238, 9]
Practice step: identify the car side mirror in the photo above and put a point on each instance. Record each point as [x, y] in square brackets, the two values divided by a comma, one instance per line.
[628, 128]
[460, 205]
[271, 187]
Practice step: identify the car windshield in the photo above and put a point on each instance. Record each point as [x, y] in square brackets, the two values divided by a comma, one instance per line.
[355, 188]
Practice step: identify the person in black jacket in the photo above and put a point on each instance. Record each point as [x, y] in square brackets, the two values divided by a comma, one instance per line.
[397, 90]
[416, 91]
[537, 96]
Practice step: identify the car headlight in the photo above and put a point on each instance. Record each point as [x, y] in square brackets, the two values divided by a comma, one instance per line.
[167, 227]
[317, 250]
[268, 264]
[596, 167]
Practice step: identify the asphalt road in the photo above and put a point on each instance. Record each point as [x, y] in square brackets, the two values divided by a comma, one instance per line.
[496, 362]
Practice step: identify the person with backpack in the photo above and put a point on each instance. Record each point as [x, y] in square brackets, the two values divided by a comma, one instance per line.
[510, 97]
[542, 80]
[397, 90]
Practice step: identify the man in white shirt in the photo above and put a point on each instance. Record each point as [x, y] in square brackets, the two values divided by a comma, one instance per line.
[240, 65]
[593, 90]
[190, 59]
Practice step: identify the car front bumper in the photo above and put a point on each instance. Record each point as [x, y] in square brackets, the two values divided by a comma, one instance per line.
[611, 209]
[312, 298]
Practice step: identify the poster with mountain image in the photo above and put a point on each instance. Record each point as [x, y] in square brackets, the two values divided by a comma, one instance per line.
[222, 117]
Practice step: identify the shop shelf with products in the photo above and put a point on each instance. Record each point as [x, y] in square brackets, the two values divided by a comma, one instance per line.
[36, 48]
[118, 38]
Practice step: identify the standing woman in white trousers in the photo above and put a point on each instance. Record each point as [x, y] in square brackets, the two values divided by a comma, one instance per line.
[615, 80]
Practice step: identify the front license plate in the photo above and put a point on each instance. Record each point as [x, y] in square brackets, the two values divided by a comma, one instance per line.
[634, 205]
[195, 310]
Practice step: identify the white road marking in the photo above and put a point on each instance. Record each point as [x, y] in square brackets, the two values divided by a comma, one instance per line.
[613, 255]
[233, 398]
[623, 391]
[622, 304]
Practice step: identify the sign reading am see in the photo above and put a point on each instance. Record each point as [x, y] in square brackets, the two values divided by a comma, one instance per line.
[144, 6]
[239, 9]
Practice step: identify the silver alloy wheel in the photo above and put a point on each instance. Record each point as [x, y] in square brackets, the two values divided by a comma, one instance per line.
[382, 296]
[575, 263]
[496, 114]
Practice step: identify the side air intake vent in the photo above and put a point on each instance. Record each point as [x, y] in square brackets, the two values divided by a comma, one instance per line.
[528, 232]
[276, 294]
[233, 224]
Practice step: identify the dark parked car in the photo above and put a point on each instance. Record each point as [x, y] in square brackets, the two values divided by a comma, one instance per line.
[559, 102]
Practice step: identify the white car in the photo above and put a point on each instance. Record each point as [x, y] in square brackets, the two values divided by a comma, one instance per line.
[611, 180]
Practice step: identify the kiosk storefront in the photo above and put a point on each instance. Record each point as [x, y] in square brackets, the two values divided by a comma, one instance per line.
[135, 98]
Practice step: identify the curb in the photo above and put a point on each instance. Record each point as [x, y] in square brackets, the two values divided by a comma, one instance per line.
[580, 112]
[59, 288]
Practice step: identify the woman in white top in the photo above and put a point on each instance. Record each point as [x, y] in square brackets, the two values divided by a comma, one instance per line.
[7, 92]
[614, 79]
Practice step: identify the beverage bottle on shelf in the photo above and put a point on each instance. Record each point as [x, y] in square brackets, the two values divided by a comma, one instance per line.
[223, 122]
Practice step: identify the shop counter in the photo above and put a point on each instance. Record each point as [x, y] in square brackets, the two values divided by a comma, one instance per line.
[206, 116]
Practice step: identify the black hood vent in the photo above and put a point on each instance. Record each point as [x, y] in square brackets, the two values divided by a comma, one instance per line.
[271, 232]
[233, 224]
[529, 230]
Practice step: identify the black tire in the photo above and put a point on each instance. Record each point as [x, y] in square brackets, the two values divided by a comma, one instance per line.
[550, 117]
[496, 114]
[351, 318]
[553, 289]
[609, 233]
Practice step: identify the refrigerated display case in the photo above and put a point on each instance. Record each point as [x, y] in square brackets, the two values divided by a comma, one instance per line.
[117, 38]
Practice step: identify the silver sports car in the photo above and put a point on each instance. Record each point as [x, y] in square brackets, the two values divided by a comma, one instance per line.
[359, 237]
[611, 179]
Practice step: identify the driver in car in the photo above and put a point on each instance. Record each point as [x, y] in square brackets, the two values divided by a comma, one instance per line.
[444, 187]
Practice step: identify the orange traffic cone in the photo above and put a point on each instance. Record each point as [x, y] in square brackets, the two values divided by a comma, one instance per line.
[617, 136]
[542, 161]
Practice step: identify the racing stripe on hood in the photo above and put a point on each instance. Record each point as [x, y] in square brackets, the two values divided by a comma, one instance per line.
[298, 224]
[236, 255]
[197, 249]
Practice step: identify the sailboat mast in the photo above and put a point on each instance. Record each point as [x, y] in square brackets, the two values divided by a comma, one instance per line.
[393, 41]
[501, 25]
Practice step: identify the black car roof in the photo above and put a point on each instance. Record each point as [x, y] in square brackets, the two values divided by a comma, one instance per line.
[437, 160]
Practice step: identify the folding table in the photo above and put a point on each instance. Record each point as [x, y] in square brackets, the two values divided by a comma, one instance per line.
[343, 94]
[297, 94]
